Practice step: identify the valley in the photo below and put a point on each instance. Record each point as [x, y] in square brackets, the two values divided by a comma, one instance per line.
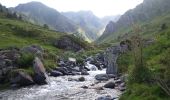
[46, 54]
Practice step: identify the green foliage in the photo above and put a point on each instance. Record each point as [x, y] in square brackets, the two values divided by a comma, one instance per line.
[26, 60]
[49, 64]
[124, 62]
[144, 92]
[26, 32]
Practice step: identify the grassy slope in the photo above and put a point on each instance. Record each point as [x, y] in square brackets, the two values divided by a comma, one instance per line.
[157, 60]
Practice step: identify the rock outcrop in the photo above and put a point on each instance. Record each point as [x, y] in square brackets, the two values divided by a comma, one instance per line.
[20, 78]
[110, 57]
[8, 58]
[67, 44]
[36, 50]
[40, 76]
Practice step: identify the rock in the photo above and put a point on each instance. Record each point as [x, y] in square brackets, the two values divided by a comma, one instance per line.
[63, 70]
[21, 78]
[67, 43]
[34, 49]
[81, 79]
[118, 81]
[55, 73]
[84, 72]
[40, 76]
[84, 87]
[72, 59]
[72, 79]
[122, 89]
[76, 73]
[99, 88]
[8, 59]
[102, 77]
[111, 56]
[110, 84]
[91, 67]
[108, 97]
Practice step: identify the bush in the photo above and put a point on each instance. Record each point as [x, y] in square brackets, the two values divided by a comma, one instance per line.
[26, 60]
[144, 92]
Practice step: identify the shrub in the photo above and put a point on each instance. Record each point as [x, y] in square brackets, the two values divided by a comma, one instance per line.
[26, 60]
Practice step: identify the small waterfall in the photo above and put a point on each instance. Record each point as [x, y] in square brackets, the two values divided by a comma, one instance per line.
[91, 67]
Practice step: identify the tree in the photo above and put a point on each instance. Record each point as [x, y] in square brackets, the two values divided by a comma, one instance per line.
[140, 73]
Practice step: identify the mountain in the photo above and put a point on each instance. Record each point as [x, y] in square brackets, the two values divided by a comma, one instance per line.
[105, 20]
[143, 13]
[39, 13]
[88, 22]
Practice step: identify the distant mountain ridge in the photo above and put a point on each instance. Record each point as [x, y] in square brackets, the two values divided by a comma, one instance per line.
[42, 14]
[87, 21]
[144, 12]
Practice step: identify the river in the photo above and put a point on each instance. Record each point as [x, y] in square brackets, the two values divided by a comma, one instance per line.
[61, 89]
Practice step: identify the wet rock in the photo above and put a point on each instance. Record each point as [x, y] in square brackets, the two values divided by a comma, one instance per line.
[91, 66]
[120, 88]
[99, 88]
[55, 73]
[63, 70]
[81, 79]
[84, 72]
[75, 73]
[21, 78]
[84, 87]
[110, 84]
[108, 97]
[40, 76]
[102, 77]
[118, 81]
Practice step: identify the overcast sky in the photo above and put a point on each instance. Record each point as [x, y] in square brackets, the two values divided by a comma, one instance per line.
[98, 7]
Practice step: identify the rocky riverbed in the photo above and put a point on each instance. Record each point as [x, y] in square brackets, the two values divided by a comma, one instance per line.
[62, 88]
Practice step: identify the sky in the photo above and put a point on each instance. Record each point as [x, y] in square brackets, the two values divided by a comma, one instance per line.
[100, 8]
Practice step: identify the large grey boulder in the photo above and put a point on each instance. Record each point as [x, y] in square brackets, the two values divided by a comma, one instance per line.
[55, 73]
[21, 78]
[110, 60]
[108, 97]
[110, 84]
[102, 77]
[40, 76]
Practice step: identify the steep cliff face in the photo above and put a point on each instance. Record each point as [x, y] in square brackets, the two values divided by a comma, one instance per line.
[110, 28]
[144, 12]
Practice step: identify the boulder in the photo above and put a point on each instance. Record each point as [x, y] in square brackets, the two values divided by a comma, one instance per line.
[102, 77]
[40, 76]
[108, 97]
[84, 72]
[110, 84]
[55, 73]
[84, 87]
[34, 49]
[21, 78]
[81, 79]
[110, 59]
[67, 43]
[63, 70]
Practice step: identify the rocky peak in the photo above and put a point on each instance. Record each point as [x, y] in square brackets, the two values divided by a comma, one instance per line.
[110, 28]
